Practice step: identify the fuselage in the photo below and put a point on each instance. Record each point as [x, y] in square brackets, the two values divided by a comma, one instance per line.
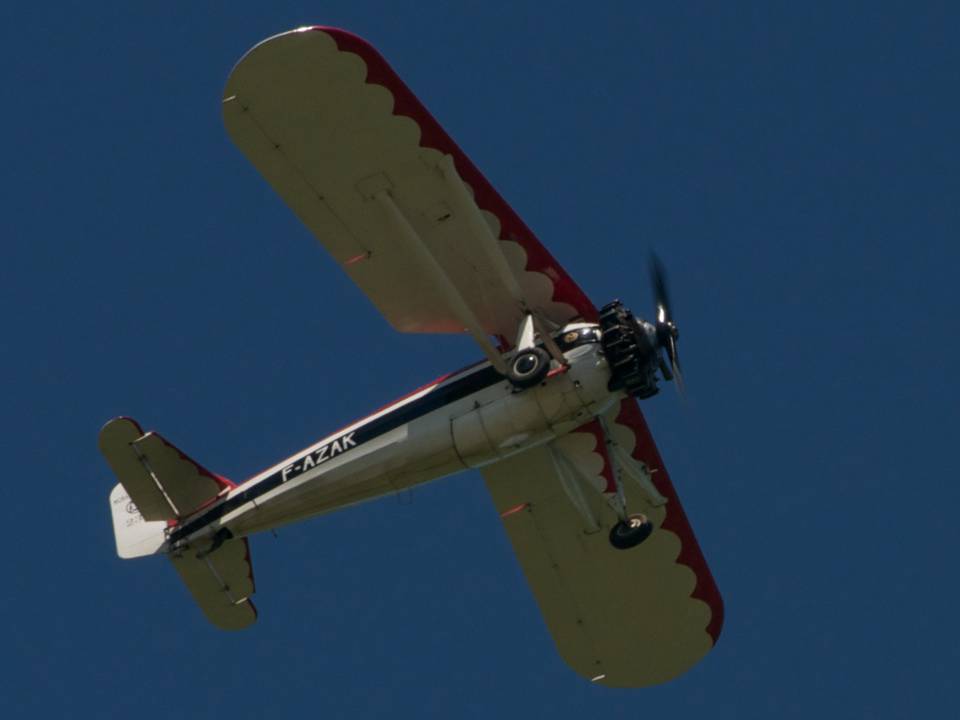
[463, 420]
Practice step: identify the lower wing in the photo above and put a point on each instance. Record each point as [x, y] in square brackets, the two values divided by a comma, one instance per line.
[625, 618]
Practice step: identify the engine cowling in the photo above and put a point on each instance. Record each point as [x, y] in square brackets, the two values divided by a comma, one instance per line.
[632, 351]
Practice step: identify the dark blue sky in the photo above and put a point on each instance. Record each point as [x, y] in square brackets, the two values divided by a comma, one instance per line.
[795, 165]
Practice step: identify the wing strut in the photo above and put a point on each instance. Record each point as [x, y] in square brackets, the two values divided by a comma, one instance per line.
[638, 472]
[465, 205]
[430, 265]
[571, 478]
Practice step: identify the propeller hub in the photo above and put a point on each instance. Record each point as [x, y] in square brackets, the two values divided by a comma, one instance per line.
[665, 331]
[635, 348]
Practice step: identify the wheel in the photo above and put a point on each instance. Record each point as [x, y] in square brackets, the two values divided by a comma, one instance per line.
[636, 529]
[529, 368]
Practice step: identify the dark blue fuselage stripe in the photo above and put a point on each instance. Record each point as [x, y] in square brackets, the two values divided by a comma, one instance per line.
[434, 399]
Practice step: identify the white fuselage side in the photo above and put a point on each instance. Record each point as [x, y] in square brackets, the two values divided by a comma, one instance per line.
[469, 419]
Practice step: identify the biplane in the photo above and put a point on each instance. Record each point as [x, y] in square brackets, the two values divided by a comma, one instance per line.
[549, 417]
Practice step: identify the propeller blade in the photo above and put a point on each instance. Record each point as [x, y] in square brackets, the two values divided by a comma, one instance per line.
[675, 367]
[661, 295]
[666, 329]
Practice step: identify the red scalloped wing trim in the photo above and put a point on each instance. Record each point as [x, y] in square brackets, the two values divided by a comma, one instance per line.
[675, 521]
[596, 429]
[432, 135]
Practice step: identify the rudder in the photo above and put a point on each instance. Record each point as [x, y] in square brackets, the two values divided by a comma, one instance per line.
[135, 536]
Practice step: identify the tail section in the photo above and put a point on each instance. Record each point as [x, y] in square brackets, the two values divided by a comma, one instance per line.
[163, 482]
[221, 582]
[159, 486]
[135, 536]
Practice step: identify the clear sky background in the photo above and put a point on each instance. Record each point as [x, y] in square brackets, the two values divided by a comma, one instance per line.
[795, 165]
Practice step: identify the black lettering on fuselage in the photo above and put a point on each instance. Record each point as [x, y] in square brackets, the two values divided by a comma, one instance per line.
[444, 394]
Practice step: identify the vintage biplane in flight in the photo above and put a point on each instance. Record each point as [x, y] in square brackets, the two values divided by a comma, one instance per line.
[550, 417]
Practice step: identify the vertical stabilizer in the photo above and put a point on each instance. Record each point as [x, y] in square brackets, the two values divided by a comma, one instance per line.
[135, 536]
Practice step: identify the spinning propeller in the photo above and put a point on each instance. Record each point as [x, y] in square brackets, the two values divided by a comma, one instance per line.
[667, 332]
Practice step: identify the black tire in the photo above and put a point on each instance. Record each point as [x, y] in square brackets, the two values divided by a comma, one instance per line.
[625, 535]
[529, 368]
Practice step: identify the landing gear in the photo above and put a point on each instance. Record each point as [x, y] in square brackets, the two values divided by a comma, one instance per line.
[630, 532]
[529, 367]
[222, 535]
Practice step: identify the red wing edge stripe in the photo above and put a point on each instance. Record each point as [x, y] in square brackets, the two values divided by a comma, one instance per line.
[676, 520]
[512, 228]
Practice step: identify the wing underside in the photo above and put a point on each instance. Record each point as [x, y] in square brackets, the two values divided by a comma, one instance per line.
[625, 618]
[386, 191]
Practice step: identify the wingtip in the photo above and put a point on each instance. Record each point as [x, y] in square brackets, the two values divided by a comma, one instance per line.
[119, 429]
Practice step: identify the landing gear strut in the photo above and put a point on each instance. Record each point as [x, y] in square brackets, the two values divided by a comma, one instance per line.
[630, 532]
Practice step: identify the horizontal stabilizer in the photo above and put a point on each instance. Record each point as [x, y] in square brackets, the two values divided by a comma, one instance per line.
[162, 482]
[221, 582]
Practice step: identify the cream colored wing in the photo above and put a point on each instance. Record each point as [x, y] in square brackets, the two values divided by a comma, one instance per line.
[625, 618]
[386, 191]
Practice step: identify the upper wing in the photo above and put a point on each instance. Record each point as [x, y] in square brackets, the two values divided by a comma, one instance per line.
[340, 137]
[625, 618]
